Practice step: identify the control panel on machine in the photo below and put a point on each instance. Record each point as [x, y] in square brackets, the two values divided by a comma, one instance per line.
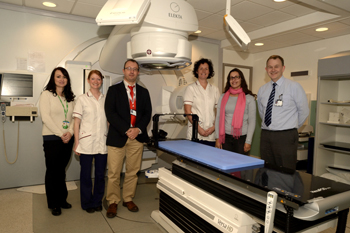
[271, 203]
[3, 112]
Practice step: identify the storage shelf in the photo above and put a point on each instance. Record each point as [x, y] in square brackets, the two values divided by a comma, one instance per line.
[334, 124]
[335, 77]
[334, 150]
[336, 104]
[333, 84]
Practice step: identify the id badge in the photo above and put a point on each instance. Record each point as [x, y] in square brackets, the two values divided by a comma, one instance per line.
[133, 112]
[279, 103]
[65, 124]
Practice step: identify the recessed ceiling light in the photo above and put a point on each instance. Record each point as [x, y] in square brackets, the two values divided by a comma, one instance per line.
[198, 31]
[279, 0]
[259, 44]
[321, 29]
[49, 4]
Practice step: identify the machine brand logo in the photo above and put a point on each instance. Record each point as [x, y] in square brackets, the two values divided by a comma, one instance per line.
[224, 225]
[320, 190]
[172, 15]
[174, 7]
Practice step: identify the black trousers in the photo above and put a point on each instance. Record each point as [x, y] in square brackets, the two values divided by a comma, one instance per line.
[235, 145]
[57, 156]
[279, 147]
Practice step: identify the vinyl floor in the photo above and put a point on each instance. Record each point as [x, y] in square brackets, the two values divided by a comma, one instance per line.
[22, 212]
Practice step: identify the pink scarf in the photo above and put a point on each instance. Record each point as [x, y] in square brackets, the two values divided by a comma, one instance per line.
[237, 119]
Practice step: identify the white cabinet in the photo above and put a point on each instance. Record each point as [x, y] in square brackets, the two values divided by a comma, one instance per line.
[333, 84]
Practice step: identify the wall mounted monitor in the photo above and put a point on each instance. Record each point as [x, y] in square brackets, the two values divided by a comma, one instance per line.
[16, 85]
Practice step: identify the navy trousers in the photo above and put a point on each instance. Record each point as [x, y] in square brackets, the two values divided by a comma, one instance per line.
[91, 197]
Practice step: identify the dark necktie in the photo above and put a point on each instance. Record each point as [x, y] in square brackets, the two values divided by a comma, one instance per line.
[132, 106]
[268, 113]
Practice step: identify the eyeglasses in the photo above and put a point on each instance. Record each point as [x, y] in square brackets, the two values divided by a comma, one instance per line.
[235, 77]
[131, 69]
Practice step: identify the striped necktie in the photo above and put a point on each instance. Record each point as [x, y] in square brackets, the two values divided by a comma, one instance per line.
[268, 113]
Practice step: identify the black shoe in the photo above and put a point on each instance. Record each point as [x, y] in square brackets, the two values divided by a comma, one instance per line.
[90, 210]
[56, 211]
[66, 205]
[98, 208]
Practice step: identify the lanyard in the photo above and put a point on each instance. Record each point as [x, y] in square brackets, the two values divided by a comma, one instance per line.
[64, 109]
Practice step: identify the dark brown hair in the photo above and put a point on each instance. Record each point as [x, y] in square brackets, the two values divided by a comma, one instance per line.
[203, 61]
[243, 82]
[67, 91]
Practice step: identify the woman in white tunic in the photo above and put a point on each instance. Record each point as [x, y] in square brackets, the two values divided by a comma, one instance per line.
[90, 133]
[201, 98]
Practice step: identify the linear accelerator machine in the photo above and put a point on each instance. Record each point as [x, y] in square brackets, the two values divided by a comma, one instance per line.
[213, 190]
[153, 32]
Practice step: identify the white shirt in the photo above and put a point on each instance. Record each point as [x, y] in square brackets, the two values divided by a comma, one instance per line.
[203, 103]
[93, 125]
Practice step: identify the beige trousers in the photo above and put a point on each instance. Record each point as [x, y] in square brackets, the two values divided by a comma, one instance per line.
[132, 152]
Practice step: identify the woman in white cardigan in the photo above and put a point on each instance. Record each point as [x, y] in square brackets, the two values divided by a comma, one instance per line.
[56, 108]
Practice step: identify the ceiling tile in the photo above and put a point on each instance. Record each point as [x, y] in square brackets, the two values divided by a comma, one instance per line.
[335, 33]
[205, 31]
[292, 36]
[208, 5]
[15, 2]
[302, 40]
[63, 6]
[248, 10]
[214, 21]
[86, 10]
[249, 27]
[218, 35]
[345, 21]
[271, 18]
[202, 14]
[297, 10]
[272, 4]
[331, 28]
[93, 2]
[251, 15]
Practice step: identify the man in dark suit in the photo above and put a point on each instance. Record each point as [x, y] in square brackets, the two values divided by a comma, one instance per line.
[128, 117]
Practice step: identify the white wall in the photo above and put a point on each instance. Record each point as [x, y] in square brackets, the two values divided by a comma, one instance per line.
[55, 37]
[20, 33]
[296, 58]
[209, 49]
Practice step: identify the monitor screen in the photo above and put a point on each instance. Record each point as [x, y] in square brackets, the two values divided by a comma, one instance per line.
[16, 85]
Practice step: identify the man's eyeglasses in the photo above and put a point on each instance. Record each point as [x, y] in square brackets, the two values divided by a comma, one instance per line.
[235, 78]
[131, 69]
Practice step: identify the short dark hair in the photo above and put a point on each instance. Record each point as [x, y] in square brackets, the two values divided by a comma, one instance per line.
[274, 57]
[67, 91]
[244, 84]
[203, 61]
[132, 60]
[97, 72]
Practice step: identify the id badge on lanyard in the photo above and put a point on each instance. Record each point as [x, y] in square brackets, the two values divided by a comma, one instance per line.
[279, 101]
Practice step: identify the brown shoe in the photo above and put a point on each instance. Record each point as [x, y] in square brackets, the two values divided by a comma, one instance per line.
[131, 206]
[112, 210]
